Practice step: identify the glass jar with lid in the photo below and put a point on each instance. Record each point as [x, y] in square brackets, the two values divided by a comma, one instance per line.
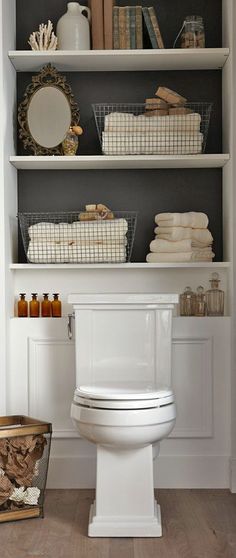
[200, 309]
[187, 302]
[215, 297]
[191, 34]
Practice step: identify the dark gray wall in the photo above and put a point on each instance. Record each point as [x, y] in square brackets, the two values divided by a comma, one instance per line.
[151, 191]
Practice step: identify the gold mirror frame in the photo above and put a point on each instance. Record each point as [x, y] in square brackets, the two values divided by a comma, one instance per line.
[48, 76]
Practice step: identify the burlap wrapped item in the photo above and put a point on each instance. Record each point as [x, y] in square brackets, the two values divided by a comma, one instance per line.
[6, 489]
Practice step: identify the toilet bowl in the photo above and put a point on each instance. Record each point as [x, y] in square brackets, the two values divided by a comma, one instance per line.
[124, 417]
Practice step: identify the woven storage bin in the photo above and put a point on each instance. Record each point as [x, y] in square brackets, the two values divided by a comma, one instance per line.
[24, 456]
[63, 238]
[128, 129]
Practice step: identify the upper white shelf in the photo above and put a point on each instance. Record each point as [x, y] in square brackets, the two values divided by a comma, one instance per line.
[83, 162]
[121, 60]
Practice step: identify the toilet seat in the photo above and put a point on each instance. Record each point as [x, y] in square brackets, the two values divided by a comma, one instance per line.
[118, 396]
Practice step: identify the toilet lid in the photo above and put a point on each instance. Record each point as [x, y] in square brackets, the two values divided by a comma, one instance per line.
[117, 396]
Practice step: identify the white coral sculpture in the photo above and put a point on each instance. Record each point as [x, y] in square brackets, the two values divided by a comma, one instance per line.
[44, 39]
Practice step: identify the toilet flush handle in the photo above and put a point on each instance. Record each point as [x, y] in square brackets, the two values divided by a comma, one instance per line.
[69, 325]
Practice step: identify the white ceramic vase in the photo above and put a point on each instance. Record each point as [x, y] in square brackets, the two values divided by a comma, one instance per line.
[73, 31]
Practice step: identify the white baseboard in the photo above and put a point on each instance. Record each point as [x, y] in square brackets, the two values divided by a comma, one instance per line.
[233, 475]
[169, 472]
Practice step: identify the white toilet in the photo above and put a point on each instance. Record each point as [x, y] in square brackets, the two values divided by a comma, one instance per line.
[124, 403]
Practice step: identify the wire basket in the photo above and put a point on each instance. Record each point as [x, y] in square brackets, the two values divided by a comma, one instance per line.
[135, 129]
[72, 238]
[24, 455]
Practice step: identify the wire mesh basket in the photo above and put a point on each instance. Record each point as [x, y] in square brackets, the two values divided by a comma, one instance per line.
[139, 129]
[24, 457]
[78, 237]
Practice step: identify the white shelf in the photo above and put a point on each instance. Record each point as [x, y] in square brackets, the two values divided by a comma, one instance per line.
[130, 266]
[121, 60]
[119, 162]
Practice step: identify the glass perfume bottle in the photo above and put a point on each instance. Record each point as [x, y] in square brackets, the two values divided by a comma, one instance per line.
[45, 306]
[22, 306]
[187, 302]
[56, 306]
[200, 309]
[34, 306]
[215, 297]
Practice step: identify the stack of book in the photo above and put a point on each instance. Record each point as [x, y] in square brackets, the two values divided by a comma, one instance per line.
[123, 28]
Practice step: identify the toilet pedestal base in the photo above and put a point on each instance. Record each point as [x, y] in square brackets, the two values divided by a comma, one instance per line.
[125, 504]
[125, 527]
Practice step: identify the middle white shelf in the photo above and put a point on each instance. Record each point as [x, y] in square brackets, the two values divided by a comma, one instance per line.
[86, 162]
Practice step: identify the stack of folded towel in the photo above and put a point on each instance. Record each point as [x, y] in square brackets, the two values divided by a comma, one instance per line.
[127, 134]
[79, 242]
[181, 237]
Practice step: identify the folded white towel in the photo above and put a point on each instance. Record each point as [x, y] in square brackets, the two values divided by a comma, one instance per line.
[182, 233]
[193, 219]
[64, 253]
[165, 246]
[92, 231]
[126, 122]
[155, 143]
[180, 257]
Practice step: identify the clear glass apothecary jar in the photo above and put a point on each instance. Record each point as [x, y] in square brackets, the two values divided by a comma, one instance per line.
[187, 302]
[191, 34]
[200, 309]
[215, 297]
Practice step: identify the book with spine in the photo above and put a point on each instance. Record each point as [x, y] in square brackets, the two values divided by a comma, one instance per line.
[139, 27]
[116, 37]
[156, 27]
[108, 24]
[149, 27]
[97, 25]
[132, 26]
[122, 28]
[127, 28]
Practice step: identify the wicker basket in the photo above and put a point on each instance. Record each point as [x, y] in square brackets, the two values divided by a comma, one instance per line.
[24, 456]
[122, 133]
[64, 238]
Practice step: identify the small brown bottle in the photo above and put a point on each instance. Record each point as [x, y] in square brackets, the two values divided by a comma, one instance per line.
[34, 306]
[45, 306]
[56, 306]
[22, 306]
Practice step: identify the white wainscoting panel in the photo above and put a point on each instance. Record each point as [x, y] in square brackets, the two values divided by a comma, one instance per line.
[52, 383]
[192, 384]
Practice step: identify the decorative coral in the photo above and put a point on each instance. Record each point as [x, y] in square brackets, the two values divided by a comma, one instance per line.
[44, 39]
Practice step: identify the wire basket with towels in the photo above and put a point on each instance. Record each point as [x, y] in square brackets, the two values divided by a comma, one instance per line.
[131, 129]
[78, 237]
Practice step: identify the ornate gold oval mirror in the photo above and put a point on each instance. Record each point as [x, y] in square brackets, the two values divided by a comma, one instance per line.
[47, 112]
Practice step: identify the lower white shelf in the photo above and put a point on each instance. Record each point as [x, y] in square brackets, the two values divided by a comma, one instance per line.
[83, 162]
[130, 266]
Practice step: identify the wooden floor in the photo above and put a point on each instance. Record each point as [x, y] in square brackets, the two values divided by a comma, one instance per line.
[196, 524]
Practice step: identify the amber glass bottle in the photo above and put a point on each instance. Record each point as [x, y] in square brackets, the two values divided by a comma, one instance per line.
[46, 306]
[56, 306]
[22, 306]
[34, 306]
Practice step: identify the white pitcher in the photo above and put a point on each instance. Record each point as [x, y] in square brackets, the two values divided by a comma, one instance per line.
[73, 30]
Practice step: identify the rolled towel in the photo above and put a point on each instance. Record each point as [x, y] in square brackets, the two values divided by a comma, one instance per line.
[182, 233]
[159, 246]
[64, 253]
[193, 219]
[127, 122]
[106, 231]
[179, 257]
[151, 143]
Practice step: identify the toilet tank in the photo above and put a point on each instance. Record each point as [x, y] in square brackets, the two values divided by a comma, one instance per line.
[123, 338]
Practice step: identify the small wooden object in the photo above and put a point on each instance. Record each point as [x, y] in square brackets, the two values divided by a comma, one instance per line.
[171, 97]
